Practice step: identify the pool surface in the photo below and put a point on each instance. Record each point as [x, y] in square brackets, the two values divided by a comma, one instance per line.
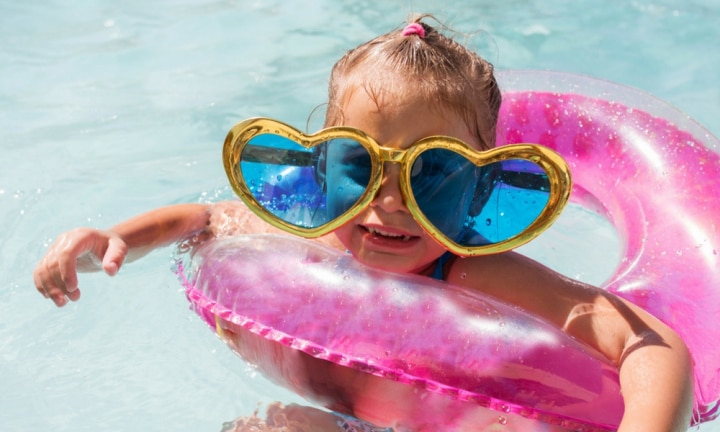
[109, 109]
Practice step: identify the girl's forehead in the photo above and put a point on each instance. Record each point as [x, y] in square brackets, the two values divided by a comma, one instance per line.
[398, 117]
[388, 99]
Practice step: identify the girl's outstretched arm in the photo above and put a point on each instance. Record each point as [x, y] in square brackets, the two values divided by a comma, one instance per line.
[89, 249]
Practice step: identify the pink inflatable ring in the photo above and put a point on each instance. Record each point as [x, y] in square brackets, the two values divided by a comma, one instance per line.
[417, 354]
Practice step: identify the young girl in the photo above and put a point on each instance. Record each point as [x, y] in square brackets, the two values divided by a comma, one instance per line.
[400, 88]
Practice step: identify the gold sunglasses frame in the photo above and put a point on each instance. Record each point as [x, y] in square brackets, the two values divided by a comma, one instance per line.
[557, 170]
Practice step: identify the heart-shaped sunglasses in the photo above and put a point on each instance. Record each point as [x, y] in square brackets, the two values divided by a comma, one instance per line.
[472, 202]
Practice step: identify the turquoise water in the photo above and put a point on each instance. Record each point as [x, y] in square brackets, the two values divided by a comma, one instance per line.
[108, 109]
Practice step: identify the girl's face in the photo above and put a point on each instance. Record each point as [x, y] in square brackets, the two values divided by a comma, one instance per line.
[385, 235]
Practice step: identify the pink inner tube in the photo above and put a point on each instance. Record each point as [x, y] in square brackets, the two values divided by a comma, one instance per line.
[417, 354]
[397, 350]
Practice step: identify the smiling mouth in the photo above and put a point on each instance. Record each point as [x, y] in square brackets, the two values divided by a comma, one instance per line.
[388, 235]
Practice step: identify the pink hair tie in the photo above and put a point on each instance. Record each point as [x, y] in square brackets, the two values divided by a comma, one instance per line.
[414, 29]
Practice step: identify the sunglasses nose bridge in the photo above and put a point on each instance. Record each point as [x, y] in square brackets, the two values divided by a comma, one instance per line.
[390, 194]
[392, 155]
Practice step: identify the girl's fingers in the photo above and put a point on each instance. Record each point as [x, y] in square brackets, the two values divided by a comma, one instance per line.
[55, 276]
[38, 282]
[66, 272]
[48, 285]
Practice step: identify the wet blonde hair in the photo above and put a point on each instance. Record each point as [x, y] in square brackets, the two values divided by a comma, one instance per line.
[441, 71]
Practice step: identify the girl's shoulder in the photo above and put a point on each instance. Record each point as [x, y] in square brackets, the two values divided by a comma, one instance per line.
[521, 281]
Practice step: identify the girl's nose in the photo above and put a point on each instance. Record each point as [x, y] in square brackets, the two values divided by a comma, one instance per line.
[389, 197]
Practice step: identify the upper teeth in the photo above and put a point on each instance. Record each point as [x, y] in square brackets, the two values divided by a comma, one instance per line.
[376, 231]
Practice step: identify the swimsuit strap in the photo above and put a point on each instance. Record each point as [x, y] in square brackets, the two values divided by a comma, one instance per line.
[439, 272]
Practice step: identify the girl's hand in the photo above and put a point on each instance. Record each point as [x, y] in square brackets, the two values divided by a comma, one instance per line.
[84, 250]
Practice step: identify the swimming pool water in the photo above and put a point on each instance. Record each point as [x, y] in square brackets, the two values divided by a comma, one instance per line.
[108, 109]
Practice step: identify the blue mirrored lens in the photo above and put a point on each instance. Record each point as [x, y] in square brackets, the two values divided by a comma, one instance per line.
[476, 206]
[291, 181]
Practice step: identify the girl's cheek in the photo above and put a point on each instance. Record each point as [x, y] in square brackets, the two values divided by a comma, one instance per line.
[344, 236]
